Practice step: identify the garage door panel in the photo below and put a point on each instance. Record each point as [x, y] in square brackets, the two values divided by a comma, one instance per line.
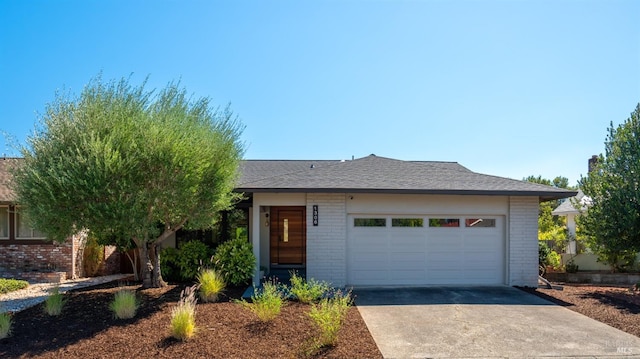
[372, 277]
[426, 255]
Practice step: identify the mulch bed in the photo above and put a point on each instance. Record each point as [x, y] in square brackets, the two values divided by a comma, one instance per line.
[614, 306]
[86, 329]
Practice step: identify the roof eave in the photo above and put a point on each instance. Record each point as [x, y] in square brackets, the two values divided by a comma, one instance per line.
[543, 195]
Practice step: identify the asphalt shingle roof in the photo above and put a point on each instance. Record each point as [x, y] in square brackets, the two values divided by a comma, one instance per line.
[383, 175]
[371, 174]
[6, 194]
[567, 206]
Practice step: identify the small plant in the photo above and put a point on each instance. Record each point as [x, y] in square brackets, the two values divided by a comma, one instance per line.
[267, 302]
[54, 302]
[183, 316]
[11, 285]
[571, 267]
[307, 291]
[211, 285]
[124, 304]
[235, 261]
[328, 315]
[5, 325]
[555, 260]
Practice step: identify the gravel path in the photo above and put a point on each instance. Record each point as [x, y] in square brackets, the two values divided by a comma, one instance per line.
[35, 294]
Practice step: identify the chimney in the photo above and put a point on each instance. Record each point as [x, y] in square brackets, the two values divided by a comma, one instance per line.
[593, 161]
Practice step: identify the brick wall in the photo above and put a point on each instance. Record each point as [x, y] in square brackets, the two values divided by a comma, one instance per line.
[327, 242]
[111, 264]
[56, 257]
[523, 241]
[37, 262]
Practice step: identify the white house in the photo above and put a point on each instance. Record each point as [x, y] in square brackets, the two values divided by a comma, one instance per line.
[568, 209]
[377, 221]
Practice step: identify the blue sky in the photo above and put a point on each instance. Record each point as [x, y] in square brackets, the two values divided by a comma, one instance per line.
[509, 88]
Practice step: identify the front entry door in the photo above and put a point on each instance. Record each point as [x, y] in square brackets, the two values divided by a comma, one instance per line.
[288, 236]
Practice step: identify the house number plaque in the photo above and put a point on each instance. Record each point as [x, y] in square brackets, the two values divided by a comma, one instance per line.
[315, 215]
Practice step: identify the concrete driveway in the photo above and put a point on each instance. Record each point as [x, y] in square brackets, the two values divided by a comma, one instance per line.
[484, 322]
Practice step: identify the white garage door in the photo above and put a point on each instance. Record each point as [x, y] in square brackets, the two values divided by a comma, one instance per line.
[425, 250]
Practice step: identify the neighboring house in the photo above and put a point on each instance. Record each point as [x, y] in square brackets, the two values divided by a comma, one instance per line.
[586, 261]
[377, 221]
[26, 253]
[567, 209]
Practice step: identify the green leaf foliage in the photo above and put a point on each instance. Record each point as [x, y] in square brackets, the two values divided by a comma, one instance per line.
[191, 256]
[5, 325]
[169, 264]
[551, 227]
[11, 285]
[266, 302]
[128, 163]
[211, 284]
[235, 261]
[612, 221]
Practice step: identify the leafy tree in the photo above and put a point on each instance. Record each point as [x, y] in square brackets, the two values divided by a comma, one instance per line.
[129, 164]
[612, 221]
[551, 227]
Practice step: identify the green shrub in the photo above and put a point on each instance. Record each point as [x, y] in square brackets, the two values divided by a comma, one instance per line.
[124, 304]
[266, 302]
[190, 258]
[211, 285]
[183, 316]
[5, 325]
[11, 285]
[307, 291]
[235, 261]
[543, 253]
[328, 316]
[554, 260]
[169, 264]
[54, 302]
[184, 264]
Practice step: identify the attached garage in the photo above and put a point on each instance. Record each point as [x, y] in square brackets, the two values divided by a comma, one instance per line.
[425, 250]
[377, 221]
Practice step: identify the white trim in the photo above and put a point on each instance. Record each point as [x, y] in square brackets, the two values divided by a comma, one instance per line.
[7, 222]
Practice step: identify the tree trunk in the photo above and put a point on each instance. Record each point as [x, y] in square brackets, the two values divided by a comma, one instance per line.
[156, 278]
[146, 268]
[134, 264]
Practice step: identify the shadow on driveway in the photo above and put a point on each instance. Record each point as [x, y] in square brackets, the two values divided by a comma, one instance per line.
[445, 295]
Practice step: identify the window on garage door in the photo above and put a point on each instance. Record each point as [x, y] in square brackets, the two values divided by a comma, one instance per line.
[369, 222]
[407, 222]
[444, 222]
[480, 222]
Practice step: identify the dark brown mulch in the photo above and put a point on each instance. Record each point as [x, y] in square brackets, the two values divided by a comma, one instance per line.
[614, 306]
[87, 329]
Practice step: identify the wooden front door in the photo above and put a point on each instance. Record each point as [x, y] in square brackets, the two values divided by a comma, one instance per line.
[288, 236]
